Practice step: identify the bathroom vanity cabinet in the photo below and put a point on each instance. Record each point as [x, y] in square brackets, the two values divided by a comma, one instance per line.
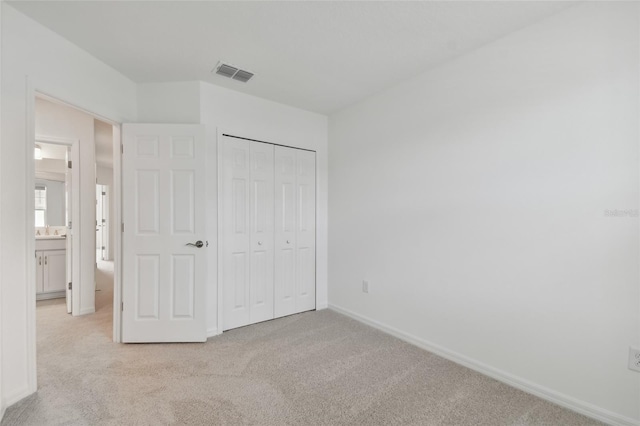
[50, 267]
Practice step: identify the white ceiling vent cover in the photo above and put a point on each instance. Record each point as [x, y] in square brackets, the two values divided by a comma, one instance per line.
[235, 73]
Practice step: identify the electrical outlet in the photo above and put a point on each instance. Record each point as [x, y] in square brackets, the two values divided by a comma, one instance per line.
[634, 359]
[365, 286]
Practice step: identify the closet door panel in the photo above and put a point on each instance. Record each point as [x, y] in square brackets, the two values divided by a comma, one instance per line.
[236, 232]
[285, 231]
[305, 231]
[262, 232]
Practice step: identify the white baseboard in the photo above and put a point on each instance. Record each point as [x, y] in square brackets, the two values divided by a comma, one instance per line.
[211, 332]
[14, 397]
[558, 398]
[53, 295]
[87, 311]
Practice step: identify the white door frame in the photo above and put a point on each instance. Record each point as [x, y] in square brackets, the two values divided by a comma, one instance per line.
[219, 135]
[33, 92]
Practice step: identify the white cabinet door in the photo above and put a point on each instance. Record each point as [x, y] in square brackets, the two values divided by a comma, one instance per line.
[164, 262]
[247, 232]
[54, 270]
[295, 207]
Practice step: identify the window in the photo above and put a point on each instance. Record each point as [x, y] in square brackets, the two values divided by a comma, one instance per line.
[41, 205]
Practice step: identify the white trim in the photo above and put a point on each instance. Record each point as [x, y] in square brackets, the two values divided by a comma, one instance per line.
[212, 332]
[16, 396]
[52, 295]
[29, 277]
[219, 215]
[116, 221]
[558, 398]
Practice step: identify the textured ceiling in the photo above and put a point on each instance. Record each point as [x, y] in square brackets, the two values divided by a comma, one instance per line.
[319, 56]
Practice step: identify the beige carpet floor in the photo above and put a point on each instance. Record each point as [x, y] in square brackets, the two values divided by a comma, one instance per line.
[316, 368]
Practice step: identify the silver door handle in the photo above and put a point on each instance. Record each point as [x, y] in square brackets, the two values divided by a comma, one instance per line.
[288, 242]
[198, 244]
[259, 243]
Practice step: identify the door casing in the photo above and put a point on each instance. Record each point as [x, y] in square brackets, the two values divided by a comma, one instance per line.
[31, 93]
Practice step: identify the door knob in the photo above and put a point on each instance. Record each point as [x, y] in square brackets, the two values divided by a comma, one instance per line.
[259, 243]
[198, 244]
[288, 242]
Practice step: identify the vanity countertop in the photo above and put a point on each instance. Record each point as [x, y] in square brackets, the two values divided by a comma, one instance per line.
[50, 237]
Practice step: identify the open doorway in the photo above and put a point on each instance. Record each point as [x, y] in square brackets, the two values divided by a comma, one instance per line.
[56, 202]
[64, 192]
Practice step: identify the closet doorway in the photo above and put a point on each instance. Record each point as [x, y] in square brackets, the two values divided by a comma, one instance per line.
[268, 230]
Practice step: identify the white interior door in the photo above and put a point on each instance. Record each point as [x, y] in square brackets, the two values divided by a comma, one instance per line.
[295, 229]
[247, 233]
[68, 180]
[285, 256]
[99, 223]
[164, 243]
[305, 231]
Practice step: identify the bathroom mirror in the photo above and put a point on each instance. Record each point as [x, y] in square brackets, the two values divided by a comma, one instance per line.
[49, 203]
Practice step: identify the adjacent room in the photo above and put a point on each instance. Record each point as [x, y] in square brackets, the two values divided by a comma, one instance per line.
[358, 213]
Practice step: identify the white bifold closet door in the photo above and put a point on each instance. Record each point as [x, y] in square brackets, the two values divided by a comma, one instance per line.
[247, 232]
[268, 231]
[295, 230]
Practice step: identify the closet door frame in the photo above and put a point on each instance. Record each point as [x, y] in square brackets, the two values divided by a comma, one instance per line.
[221, 133]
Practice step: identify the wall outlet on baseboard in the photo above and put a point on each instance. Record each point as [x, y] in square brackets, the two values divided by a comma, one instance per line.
[634, 358]
[365, 286]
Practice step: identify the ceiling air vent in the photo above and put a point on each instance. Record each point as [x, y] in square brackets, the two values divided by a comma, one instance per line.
[243, 76]
[227, 70]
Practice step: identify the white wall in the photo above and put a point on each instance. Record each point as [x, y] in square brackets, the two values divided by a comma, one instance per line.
[60, 69]
[473, 197]
[177, 102]
[248, 116]
[62, 121]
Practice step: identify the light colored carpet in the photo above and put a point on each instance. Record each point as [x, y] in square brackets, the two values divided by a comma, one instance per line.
[317, 368]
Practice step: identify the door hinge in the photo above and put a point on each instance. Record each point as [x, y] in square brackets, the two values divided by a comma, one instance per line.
[70, 286]
[122, 306]
[69, 224]
[122, 149]
[103, 247]
[104, 193]
[69, 164]
[123, 227]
